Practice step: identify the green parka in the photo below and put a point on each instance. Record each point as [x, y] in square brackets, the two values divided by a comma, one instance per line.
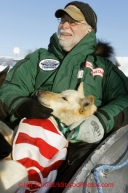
[56, 71]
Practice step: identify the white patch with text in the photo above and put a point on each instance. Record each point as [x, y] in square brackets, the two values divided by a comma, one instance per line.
[49, 64]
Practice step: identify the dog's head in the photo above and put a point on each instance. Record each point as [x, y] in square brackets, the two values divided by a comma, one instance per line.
[69, 106]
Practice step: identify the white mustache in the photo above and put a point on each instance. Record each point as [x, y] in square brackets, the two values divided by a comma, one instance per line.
[66, 32]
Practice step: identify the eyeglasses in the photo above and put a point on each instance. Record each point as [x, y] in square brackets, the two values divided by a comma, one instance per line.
[71, 22]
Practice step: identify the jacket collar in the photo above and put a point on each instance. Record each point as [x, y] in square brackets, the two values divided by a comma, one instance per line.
[85, 46]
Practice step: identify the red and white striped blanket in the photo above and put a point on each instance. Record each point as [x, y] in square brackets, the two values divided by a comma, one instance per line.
[41, 148]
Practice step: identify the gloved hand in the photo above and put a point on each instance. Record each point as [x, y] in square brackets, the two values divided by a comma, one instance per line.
[90, 130]
[32, 109]
[5, 147]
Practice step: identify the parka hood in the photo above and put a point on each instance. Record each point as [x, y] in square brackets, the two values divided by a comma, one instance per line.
[103, 49]
[88, 45]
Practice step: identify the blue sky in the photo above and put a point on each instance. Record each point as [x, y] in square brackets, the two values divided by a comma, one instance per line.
[28, 24]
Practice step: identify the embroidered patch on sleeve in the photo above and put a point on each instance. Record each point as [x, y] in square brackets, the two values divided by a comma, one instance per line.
[94, 71]
[98, 72]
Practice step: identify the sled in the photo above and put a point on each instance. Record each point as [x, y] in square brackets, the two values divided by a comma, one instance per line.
[106, 169]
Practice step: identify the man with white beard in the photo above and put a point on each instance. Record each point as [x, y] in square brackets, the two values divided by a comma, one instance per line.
[73, 56]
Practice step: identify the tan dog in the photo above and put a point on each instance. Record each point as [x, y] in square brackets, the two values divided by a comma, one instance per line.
[69, 106]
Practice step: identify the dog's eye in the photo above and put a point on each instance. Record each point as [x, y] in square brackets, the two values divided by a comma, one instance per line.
[64, 98]
[86, 104]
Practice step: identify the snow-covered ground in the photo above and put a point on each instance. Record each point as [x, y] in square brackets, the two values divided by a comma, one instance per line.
[123, 61]
[9, 61]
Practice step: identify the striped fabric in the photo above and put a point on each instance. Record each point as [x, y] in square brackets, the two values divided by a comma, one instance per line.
[41, 148]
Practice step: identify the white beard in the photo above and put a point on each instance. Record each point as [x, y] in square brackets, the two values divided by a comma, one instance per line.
[67, 45]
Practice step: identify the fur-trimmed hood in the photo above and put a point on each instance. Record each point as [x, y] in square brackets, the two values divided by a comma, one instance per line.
[103, 49]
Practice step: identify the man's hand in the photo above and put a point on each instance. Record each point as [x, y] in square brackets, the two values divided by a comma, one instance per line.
[90, 131]
[32, 109]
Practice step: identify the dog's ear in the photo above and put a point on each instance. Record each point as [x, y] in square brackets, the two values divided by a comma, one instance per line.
[3, 75]
[86, 103]
[81, 88]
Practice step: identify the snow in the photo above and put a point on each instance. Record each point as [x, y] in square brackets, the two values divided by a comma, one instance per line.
[123, 61]
[9, 61]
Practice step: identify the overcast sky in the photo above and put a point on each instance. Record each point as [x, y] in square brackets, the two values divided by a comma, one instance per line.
[28, 24]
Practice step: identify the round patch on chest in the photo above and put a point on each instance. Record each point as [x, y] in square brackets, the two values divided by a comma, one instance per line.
[49, 64]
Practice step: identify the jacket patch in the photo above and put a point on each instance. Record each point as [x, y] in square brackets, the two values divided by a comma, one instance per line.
[94, 71]
[49, 64]
[98, 72]
[89, 65]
